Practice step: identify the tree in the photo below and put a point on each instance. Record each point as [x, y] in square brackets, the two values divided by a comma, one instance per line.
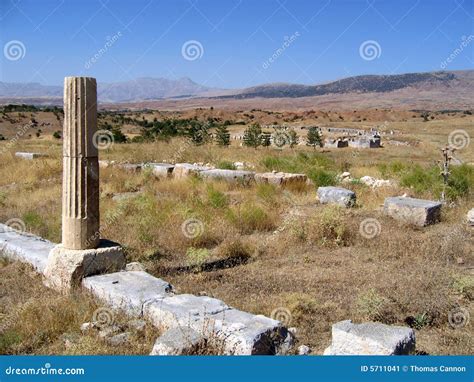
[252, 136]
[293, 138]
[222, 136]
[57, 135]
[198, 132]
[314, 137]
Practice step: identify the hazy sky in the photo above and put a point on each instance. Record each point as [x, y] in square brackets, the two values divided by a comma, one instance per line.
[230, 43]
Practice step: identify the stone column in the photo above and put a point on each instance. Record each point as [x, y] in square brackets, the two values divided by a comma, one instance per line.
[82, 253]
[80, 213]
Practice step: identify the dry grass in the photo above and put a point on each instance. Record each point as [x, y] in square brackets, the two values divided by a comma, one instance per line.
[36, 320]
[260, 247]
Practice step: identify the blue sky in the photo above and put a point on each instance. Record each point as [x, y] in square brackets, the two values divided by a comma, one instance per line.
[46, 40]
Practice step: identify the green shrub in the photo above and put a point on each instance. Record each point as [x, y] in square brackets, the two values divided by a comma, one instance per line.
[322, 177]
[371, 305]
[216, 198]
[226, 165]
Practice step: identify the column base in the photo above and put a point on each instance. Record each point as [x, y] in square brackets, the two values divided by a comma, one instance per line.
[67, 267]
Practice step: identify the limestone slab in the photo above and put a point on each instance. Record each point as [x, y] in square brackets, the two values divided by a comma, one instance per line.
[236, 332]
[29, 156]
[182, 310]
[24, 247]
[413, 211]
[470, 217]
[233, 176]
[160, 170]
[336, 195]
[128, 290]
[243, 333]
[371, 338]
[280, 178]
[67, 267]
[182, 170]
[178, 341]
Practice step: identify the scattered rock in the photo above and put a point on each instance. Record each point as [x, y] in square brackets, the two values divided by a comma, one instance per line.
[470, 217]
[178, 341]
[118, 339]
[336, 195]
[135, 266]
[137, 325]
[130, 167]
[108, 331]
[304, 350]
[413, 211]
[371, 338]
[375, 183]
[86, 326]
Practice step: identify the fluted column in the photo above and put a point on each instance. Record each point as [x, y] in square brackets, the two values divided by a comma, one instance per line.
[80, 209]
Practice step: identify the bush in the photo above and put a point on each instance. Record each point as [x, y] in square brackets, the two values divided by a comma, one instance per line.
[332, 227]
[216, 198]
[371, 305]
[226, 165]
[322, 178]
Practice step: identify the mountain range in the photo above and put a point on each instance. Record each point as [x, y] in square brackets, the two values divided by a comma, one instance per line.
[457, 85]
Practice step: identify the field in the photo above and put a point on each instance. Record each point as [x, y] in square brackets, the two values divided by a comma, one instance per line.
[261, 248]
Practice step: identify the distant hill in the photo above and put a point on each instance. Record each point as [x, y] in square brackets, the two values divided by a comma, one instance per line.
[436, 90]
[134, 90]
[358, 84]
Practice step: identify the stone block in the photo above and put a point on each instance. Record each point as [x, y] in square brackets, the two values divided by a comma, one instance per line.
[233, 176]
[413, 211]
[178, 341]
[182, 170]
[160, 170]
[242, 333]
[29, 156]
[470, 217]
[234, 331]
[24, 247]
[127, 291]
[182, 310]
[281, 178]
[336, 195]
[371, 338]
[67, 267]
